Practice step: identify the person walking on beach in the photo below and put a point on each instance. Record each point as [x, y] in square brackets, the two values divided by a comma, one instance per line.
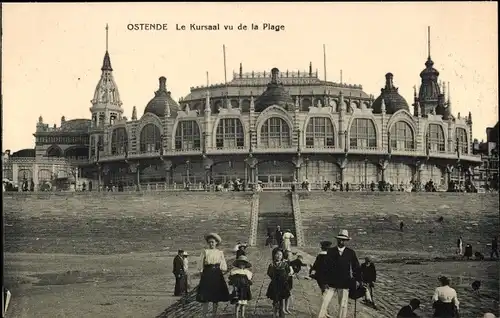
[287, 240]
[345, 275]
[212, 288]
[278, 236]
[445, 300]
[320, 270]
[278, 290]
[369, 277]
[179, 272]
[460, 245]
[240, 277]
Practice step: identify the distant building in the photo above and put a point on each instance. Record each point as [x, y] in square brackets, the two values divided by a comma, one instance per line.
[487, 172]
[274, 127]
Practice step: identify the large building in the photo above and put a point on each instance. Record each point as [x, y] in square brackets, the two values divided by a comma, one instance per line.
[275, 127]
[487, 173]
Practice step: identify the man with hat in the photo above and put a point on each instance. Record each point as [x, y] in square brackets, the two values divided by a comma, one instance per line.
[180, 274]
[320, 270]
[345, 273]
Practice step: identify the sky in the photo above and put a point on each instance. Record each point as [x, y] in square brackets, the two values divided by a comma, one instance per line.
[52, 53]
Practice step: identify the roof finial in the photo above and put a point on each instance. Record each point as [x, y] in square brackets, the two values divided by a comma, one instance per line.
[107, 28]
[429, 42]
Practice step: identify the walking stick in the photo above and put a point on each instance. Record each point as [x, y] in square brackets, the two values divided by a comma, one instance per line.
[355, 307]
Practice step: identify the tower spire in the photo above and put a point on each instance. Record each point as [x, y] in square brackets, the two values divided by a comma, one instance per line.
[429, 42]
[107, 28]
[106, 63]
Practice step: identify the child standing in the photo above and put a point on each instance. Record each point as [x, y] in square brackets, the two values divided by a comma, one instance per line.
[240, 277]
[279, 271]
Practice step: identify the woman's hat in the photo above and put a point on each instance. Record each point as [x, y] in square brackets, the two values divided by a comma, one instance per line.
[242, 259]
[343, 235]
[215, 236]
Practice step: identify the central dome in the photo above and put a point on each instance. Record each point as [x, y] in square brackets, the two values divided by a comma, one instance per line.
[275, 94]
[162, 96]
[393, 101]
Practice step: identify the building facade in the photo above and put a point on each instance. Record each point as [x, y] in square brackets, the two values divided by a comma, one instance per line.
[487, 173]
[275, 127]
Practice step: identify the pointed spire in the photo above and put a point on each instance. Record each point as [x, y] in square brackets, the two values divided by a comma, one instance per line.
[470, 118]
[134, 113]
[310, 69]
[414, 92]
[429, 62]
[449, 95]
[106, 63]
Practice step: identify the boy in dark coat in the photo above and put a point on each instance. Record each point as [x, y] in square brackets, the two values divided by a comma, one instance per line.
[321, 267]
[369, 277]
[180, 274]
[408, 310]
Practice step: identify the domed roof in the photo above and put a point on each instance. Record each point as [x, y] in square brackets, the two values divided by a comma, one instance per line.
[24, 153]
[76, 125]
[162, 97]
[275, 94]
[393, 101]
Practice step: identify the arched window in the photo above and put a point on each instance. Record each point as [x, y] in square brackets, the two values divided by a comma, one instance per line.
[319, 133]
[435, 138]
[275, 133]
[187, 135]
[54, 151]
[229, 133]
[150, 138]
[402, 136]
[119, 141]
[362, 134]
[462, 140]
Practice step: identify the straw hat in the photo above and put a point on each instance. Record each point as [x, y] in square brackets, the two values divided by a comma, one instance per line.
[343, 235]
[185, 254]
[215, 236]
[242, 259]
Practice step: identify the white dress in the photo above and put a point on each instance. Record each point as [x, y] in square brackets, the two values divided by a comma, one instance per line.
[287, 243]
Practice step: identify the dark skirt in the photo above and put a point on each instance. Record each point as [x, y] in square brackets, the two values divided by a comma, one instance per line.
[181, 285]
[213, 287]
[278, 289]
[241, 293]
[445, 310]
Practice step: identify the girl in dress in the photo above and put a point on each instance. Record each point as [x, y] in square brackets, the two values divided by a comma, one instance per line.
[212, 264]
[279, 290]
[240, 277]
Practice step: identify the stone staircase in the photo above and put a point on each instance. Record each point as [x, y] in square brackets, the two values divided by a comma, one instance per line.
[275, 208]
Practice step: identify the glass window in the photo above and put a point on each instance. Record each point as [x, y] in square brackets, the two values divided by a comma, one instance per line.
[435, 138]
[275, 133]
[187, 136]
[402, 136]
[229, 133]
[461, 140]
[362, 134]
[150, 138]
[319, 133]
[119, 141]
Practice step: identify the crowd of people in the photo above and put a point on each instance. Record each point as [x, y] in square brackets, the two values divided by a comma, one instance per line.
[336, 270]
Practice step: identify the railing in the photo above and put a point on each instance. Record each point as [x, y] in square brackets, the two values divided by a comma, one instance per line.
[254, 219]
[297, 217]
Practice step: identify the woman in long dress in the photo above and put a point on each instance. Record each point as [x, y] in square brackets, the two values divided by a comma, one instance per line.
[212, 288]
[287, 240]
[445, 300]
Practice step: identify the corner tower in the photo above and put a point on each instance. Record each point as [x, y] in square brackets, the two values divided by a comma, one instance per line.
[106, 105]
[429, 96]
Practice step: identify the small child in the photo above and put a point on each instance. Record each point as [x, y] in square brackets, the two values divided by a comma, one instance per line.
[240, 277]
[278, 290]
[321, 269]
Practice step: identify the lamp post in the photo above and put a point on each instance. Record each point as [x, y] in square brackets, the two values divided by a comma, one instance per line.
[187, 172]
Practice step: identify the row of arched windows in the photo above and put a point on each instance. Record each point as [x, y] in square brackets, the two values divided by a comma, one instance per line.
[276, 133]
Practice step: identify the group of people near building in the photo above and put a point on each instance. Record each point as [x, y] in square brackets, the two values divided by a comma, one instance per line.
[336, 270]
